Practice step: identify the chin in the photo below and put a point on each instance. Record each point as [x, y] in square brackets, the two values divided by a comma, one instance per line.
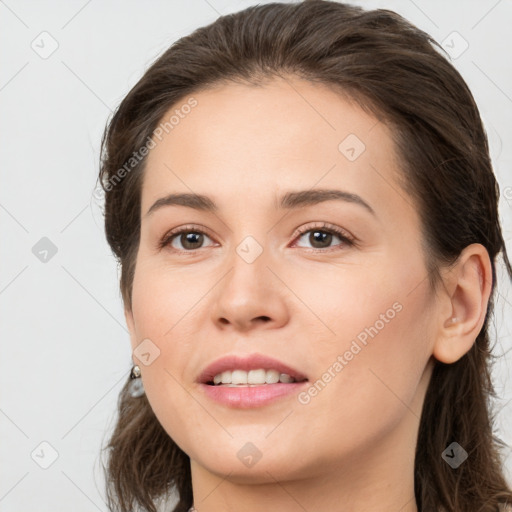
[244, 462]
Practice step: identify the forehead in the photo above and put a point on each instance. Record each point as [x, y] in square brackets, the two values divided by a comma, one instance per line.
[285, 134]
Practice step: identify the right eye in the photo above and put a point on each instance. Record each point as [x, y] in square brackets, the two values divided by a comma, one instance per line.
[190, 238]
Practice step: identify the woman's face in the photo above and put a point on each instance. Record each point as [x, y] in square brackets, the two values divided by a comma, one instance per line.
[353, 314]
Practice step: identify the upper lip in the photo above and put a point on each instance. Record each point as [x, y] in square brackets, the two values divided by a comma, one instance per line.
[247, 363]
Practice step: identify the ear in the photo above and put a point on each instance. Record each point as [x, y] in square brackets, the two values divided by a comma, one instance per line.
[464, 299]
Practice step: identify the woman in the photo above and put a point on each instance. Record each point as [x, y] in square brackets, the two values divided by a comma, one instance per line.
[303, 205]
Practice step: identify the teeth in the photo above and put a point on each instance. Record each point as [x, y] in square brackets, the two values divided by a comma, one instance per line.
[254, 377]
[284, 377]
[239, 377]
[272, 377]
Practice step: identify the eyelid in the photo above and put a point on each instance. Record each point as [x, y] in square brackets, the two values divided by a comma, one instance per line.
[346, 237]
[343, 234]
[321, 225]
[166, 239]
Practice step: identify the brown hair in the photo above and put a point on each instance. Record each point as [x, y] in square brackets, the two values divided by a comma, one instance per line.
[398, 73]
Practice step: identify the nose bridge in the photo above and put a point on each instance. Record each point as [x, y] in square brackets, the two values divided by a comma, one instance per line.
[250, 235]
[248, 263]
[251, 249]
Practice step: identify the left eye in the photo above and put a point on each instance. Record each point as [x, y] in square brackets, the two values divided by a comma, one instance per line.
[321, 237]
[190, 239]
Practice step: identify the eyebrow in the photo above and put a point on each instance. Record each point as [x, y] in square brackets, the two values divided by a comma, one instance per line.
[290, 200]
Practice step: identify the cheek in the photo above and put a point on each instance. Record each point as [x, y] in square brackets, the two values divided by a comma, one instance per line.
[164, 300]
[372, 366]
[383, 356]
[169, 311]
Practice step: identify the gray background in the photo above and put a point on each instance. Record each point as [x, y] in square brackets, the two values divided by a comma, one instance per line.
[65, 346]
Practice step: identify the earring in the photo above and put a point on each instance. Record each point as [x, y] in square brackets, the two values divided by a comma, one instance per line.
[454, 320]
[135, 387]
[135, 373]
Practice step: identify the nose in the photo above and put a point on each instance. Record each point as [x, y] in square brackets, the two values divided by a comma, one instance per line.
[251, 295]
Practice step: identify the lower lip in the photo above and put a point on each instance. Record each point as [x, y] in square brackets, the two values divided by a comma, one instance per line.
[245, 397]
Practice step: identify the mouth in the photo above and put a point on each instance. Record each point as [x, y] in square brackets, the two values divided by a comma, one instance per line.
[249, 382]
[258, 377]
[249, 371]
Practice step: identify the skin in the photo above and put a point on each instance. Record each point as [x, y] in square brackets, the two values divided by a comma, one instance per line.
[351, 448]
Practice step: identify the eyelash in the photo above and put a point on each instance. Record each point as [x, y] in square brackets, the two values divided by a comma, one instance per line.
[323, 227]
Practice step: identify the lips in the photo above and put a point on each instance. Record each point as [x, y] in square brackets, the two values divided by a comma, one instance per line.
[252, 362]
